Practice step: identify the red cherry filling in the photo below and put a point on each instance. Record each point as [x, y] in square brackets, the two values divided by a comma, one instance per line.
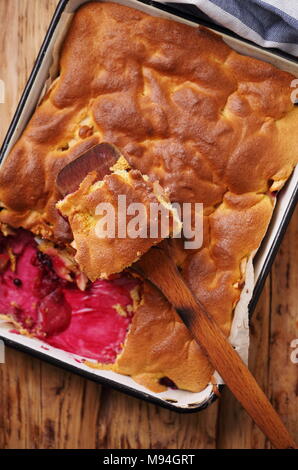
[55, 310]
[54, 313]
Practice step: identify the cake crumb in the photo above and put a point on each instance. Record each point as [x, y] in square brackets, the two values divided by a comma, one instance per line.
[120, 310]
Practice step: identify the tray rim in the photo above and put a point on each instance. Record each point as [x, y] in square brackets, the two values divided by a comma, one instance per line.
[268, 261]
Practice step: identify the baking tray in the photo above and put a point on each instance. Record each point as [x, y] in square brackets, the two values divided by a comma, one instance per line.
[183, 401]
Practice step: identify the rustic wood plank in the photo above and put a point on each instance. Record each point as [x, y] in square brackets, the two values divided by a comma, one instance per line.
[20, 410]
[128, 424]
[69, 408]
[282, 372]
[23, 27]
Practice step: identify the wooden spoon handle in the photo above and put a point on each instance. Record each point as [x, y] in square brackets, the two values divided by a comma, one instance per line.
[162, 272]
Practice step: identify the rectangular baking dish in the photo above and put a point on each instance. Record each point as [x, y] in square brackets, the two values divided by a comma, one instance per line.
[43, 72]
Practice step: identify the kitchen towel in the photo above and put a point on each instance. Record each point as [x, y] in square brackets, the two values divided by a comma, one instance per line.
[270, 23]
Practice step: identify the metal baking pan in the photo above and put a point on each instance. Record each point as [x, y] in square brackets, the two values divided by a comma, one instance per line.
[174, 400]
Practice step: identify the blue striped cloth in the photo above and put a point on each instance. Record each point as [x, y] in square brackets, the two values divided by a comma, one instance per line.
[269, 23]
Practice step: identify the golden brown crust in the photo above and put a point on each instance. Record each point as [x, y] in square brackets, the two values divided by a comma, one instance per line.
[158, 345]
[211, 125]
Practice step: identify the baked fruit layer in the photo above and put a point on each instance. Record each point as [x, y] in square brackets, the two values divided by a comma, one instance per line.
[92, 323]
[211, 125]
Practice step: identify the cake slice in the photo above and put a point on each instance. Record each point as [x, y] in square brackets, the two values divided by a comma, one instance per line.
[117, 219]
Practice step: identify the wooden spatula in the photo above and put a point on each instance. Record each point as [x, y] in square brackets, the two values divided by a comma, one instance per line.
[158, 267]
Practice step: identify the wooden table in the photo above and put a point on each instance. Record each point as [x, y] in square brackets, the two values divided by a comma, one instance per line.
[44, 407]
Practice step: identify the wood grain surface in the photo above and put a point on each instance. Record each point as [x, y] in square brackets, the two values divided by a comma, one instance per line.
[45, 407]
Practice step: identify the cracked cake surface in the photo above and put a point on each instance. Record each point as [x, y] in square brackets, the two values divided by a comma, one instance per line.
[211, 125]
